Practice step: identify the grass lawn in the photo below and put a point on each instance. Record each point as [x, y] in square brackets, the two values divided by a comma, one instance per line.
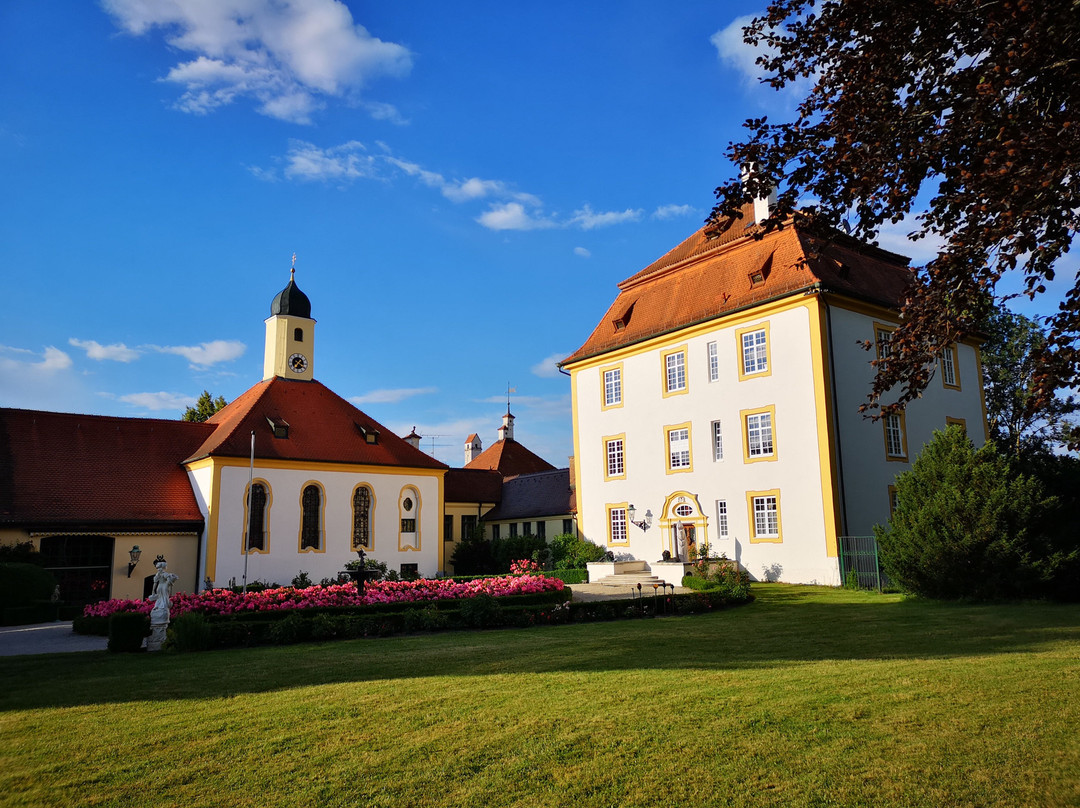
[807, 697]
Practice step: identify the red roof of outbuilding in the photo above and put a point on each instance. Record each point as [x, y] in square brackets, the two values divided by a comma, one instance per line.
[709, 275]
[473, 485]
[60, 470]
[322, 427]
[509, 458]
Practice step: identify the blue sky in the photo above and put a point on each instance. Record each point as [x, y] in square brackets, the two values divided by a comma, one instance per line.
[463, 188]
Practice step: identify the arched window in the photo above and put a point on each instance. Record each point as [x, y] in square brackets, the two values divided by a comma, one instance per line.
[409, 519]
[361, 520]
[256, 533]
[298, 335]
[310, 522]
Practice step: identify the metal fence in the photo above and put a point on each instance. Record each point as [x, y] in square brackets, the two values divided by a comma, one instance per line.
[860, 565]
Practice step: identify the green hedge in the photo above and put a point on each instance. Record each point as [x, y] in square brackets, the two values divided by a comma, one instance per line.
[569, 576]
[126, 631]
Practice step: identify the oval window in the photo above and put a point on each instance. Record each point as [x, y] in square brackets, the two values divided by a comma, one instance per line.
[684, 510]
[407, 504]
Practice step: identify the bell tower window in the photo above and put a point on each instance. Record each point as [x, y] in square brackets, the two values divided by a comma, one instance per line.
[298, 335]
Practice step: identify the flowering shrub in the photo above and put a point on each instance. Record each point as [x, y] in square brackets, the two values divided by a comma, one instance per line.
[525, 567]
[227, 602]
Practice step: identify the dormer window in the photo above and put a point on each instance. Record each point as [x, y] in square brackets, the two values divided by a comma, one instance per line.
[279, 425]
[622, 320]
[371, 436]
[298, 335]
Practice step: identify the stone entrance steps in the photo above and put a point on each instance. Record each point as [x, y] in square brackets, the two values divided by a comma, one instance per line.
[631, 579]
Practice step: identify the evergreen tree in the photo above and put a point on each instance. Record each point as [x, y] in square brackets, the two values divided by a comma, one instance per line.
[206, 406]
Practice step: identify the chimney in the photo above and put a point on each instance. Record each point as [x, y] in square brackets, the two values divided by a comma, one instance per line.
[762, 205]
[413, 439]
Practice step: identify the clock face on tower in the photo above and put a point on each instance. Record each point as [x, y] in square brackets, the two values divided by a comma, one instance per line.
[298, 363]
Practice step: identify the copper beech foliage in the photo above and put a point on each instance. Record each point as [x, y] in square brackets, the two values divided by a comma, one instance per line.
[972, 102]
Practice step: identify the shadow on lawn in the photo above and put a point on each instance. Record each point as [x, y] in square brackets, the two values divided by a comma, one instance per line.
[786, 625]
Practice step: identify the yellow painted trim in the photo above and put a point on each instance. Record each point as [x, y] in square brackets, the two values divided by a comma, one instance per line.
[371, 518]
[892, 498]
[322, 519]
[903, 437]
[576, 459]
[603, 386]
[200, 464]
[952, 349]
[741, 366]
[247, 518]
[440, 537]
[960, 422]
[871, 310]
[668, 517]
[608, 508]
[213, 511]
[419, 529]
[690, 332]
[743, 415]
[686, 371]
[826, 427]
[754, 539]
[982, 392]
[689, 445]
[316, 465]
[604, 441]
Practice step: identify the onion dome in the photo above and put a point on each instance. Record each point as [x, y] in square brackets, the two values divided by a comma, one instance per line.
[291, 301]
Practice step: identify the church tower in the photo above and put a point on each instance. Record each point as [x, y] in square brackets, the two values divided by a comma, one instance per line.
[290, 335]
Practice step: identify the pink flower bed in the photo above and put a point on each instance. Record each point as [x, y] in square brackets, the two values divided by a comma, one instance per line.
[225, 601]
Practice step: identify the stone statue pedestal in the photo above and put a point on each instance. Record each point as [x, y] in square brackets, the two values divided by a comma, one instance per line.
[157, 636]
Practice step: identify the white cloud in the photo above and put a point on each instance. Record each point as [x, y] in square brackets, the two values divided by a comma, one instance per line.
[582, 252]
[894, 237]
[207, 353]
[735, 53]
[672, 211]
[117, 352]
[512, 216]
[588, 219]
[159, 401]
[391, 396]
[385, 112]
[287, 55]
[38, 380]
[308, 162]
[547, 368]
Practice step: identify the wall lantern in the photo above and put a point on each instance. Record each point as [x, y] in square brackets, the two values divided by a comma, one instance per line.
[134, 553]
[645, 523]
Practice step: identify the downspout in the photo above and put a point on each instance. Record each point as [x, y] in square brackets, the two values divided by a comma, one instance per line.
[836, 413]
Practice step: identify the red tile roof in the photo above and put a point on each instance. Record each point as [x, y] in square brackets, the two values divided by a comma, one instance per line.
[509, 458]
[323, 427]
[473, 485]
[709, 275]
[63, 471]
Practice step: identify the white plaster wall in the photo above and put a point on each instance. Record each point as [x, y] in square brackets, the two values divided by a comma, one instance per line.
[645, 412]
[202, 483]
[285, 560]
[866, 473]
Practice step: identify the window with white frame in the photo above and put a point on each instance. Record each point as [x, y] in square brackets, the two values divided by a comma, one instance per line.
[755, 352]
[948, 368]
[617, 526]
[675, 366]
[721, 518]
[894, 436]
[883, 339]
[679, 448]
[714, 363]
[614, 452]
[717, 441]
[766, 520]
[612, 387]
[759, 434]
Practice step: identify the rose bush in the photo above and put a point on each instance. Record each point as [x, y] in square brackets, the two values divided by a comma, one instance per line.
[226, 602]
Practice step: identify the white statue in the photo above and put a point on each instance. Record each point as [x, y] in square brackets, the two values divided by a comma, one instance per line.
[159, 615]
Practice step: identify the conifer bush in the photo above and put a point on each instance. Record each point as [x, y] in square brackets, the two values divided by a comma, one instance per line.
[967, 525]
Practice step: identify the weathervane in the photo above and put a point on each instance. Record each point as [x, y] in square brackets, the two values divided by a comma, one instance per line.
[509, 390]
[292, 272]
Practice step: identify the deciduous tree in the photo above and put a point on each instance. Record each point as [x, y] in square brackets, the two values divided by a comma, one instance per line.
[972, 103]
